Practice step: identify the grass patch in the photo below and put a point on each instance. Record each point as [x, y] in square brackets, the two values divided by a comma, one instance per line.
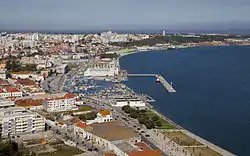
[85, 108]
[182, 139]
[63, 151]
[164, 124]
[203, 151]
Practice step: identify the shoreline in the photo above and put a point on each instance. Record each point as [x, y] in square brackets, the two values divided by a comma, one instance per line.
[152, 50]
[209, 144]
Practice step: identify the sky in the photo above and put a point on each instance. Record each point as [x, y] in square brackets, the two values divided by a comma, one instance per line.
[97, 14]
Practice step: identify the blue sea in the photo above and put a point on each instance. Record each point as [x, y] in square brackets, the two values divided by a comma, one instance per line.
[213, 91]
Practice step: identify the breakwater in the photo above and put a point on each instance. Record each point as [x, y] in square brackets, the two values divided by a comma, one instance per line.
[159, 77]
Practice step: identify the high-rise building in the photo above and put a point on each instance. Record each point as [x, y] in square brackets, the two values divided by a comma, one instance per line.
[35, 37]
[163, 33]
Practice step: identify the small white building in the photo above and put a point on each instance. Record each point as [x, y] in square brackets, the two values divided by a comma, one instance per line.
[23, 75]
[10, 92]
[102, 116]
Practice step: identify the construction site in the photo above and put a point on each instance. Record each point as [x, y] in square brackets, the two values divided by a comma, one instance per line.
[48, 143]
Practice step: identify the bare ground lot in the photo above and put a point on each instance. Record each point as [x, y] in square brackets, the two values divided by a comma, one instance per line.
[181, 138]
[203, 151]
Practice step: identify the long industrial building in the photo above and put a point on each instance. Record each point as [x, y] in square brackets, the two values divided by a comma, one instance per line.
[102, 69]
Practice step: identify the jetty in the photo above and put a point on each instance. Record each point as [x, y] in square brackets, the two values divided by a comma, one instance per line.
[161, 79]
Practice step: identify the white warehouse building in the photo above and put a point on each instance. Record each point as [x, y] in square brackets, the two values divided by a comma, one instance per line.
[128, 101]
[102, 69]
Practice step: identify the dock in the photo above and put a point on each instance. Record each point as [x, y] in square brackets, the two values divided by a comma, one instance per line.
[166, 84]
[163, 81]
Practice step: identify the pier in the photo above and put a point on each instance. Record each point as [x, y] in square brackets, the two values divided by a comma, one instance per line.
[163, 81]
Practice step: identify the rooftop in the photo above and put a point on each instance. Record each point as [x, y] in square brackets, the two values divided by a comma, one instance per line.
[81, 124]
[4, 82]
[11, 89]
[143, 146]
[28, 102]
[104, 112]
[112, 131]
[66, 96]
[145, 153]
[23, 72]
[110, 154]
[25, 82]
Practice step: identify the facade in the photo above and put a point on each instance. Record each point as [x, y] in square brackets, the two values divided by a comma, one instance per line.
[102, 69]
[10, 92]
[102, 116]
[62, 69]
[16, 121]
[23, 75]
[3, 73]
[58, 104]
[130, 101]
[6, 104]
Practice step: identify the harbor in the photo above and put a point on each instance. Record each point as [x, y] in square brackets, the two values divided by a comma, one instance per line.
[159, 78]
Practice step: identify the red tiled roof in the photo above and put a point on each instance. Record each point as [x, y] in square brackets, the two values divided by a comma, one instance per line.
[60, 123]
[25, 82]
[143, 145]
[10, 89]
[28, 102]
[81, 124]
[3, 82]
[110, 154]
[67, 96]
[145, 153]
[104, 112]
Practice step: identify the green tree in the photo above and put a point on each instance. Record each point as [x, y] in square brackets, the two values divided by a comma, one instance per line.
[150, 125]
[158, 123]
[30, 67]
[91, 115]
[82, 117]
[134, 114]
[155, 118]
[143, 119]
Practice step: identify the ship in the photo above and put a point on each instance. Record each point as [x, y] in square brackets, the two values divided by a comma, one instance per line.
[158, 80]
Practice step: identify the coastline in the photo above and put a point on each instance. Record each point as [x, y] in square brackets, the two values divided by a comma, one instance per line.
[212, 146]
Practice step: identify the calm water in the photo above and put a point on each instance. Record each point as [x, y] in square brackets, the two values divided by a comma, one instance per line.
[213, 91]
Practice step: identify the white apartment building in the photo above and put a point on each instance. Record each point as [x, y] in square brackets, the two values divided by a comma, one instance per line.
[102, 69]
[62, 103]
[16, 121]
